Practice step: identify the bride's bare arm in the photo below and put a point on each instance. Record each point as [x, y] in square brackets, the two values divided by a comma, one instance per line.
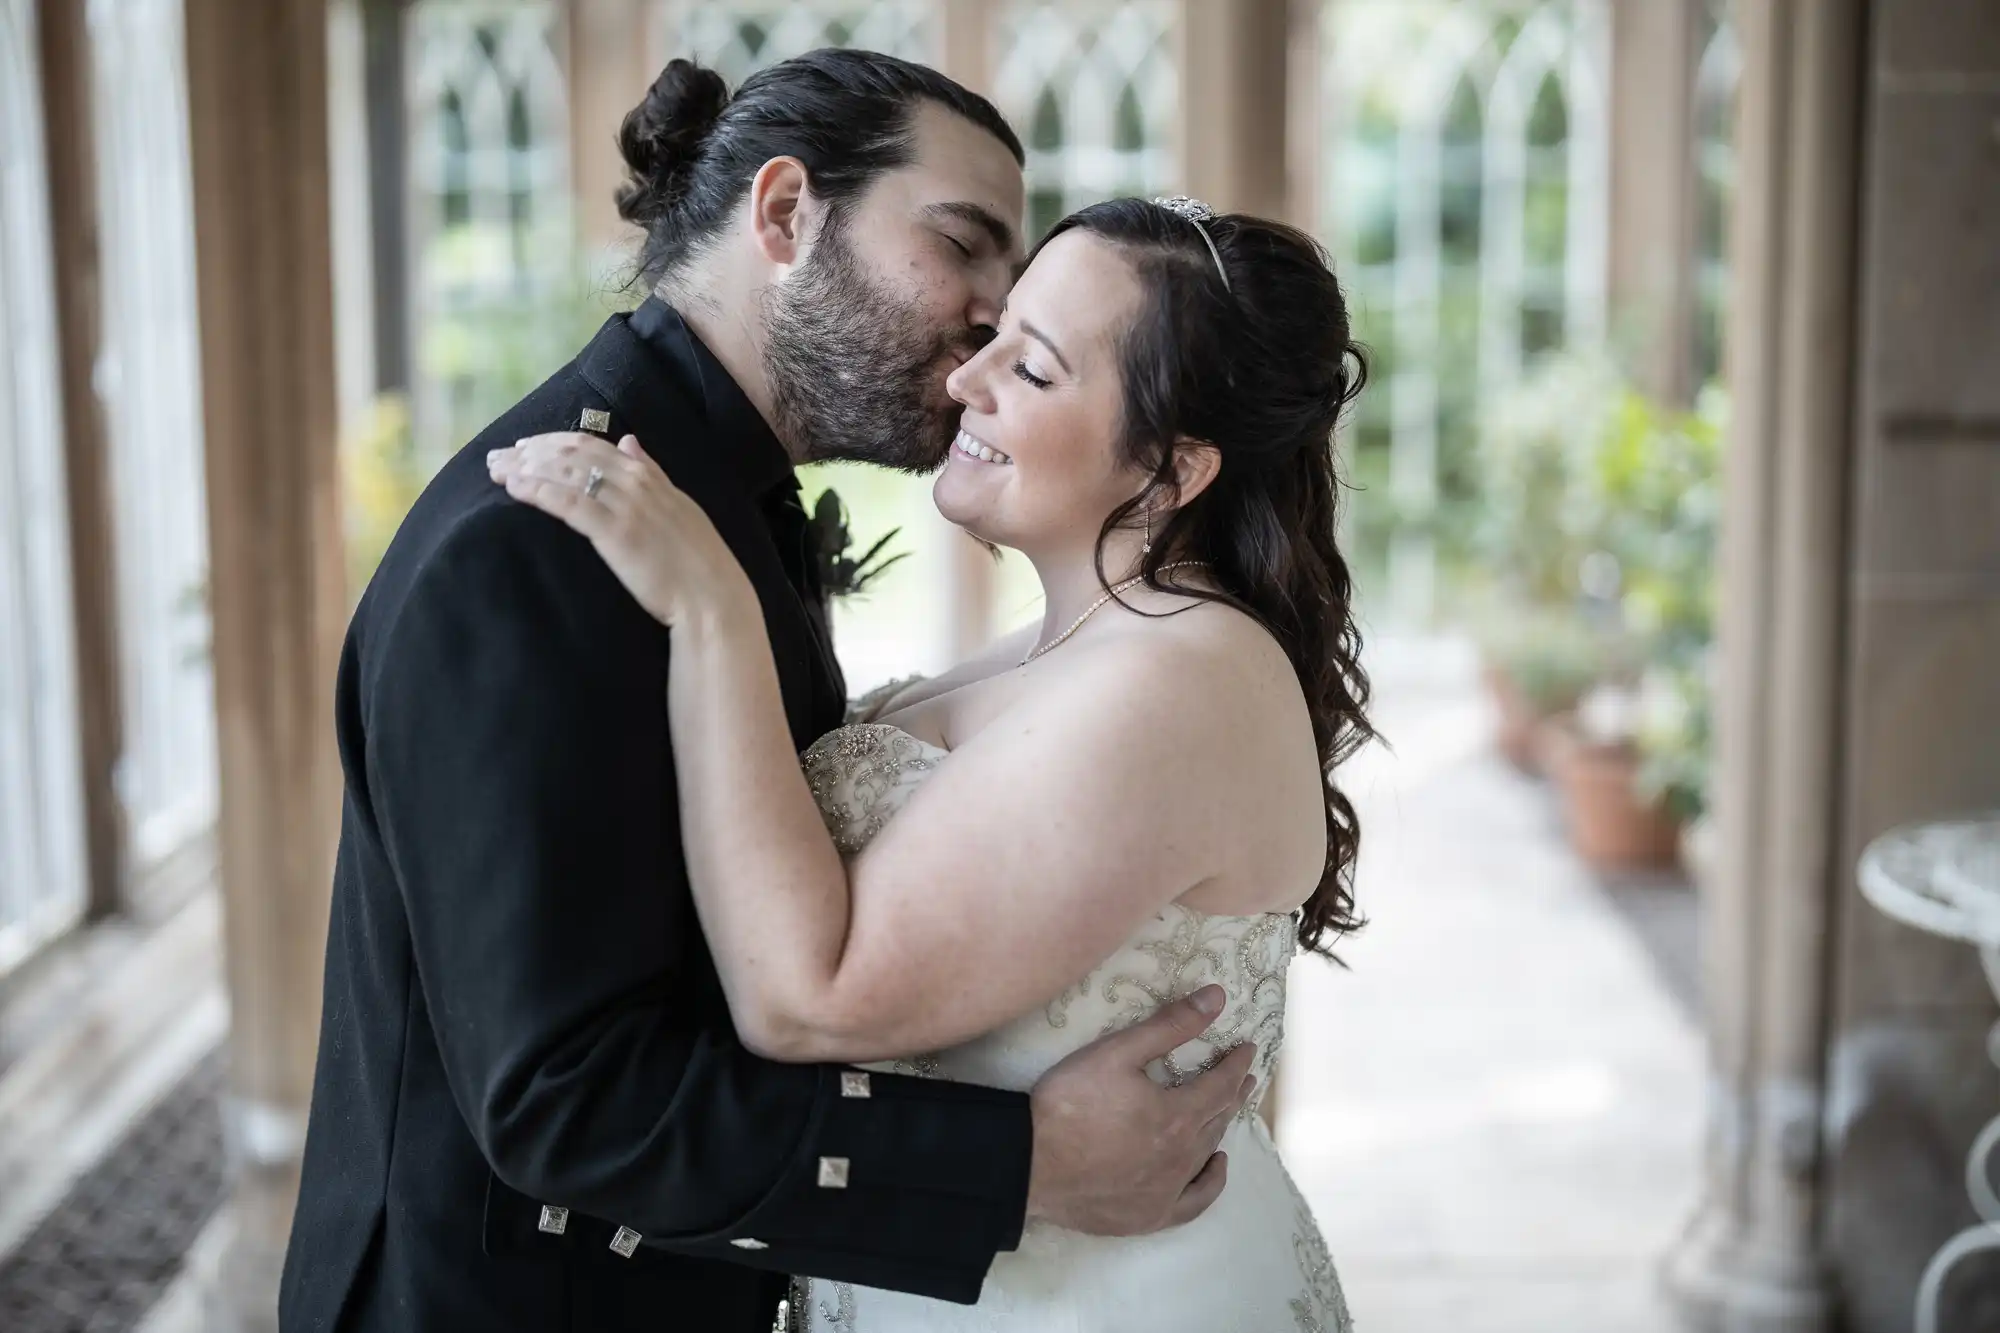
[1033, 851]
[1036, 849]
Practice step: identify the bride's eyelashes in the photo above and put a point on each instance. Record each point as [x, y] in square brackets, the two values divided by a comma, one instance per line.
[1029, 376]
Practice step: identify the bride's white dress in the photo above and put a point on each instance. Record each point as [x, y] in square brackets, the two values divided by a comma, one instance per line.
[1253, 1263]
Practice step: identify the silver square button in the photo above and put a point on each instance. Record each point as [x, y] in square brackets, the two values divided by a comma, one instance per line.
[749, 1243]
[554, 1221]
[833, 1173]
[596, 419]
[625, 1243]
[854, 1083]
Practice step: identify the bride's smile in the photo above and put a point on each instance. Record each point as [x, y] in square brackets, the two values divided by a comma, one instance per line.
[978, 450]
[1035, 465]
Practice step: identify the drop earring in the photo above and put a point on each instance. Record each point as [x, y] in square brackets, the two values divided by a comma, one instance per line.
[1147, 547]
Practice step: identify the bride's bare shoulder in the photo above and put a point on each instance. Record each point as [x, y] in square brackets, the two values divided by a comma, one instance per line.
[1209, 676]
[1222, 647]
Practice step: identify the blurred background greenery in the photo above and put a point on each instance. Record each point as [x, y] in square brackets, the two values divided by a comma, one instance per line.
[1511, 480]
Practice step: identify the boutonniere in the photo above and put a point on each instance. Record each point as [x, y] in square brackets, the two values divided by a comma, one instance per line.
[841, 574]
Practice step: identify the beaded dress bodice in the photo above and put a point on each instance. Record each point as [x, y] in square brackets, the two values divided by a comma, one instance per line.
[862, 774]
[1260, 1234]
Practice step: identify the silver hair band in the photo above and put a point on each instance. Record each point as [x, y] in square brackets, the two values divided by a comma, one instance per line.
[1200, 214]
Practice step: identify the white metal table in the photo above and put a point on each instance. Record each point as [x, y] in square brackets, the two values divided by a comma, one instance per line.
[1945, 879]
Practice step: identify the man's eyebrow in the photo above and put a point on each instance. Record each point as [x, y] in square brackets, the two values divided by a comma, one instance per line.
[1047, 342]
[979, 216]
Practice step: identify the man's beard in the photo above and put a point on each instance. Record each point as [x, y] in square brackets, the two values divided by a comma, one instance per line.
[853, 371]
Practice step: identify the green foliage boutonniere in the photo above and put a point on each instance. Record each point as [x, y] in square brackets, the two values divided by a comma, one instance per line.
[841, 574]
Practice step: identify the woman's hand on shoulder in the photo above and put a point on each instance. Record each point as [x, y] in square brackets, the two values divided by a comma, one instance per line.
[654, 537]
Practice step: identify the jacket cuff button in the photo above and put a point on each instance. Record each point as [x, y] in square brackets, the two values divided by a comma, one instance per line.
[625, 1243]
[854, 1083]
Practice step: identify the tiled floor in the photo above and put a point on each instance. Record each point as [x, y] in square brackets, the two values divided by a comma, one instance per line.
[1496, 1112]
[112, 1248]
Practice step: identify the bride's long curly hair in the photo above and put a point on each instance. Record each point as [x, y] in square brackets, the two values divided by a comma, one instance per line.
[1261, 368]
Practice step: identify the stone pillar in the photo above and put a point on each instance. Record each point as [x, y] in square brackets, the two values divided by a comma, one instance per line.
[609, 71]
[1654, 48]
[1234, 104]
[64, 35]
[1751, 1261]
[1910, 1078]
[965, 52]
[1307, 159]
[257, 108]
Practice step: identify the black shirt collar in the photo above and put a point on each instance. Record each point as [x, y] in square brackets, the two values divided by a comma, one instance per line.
[751, 452]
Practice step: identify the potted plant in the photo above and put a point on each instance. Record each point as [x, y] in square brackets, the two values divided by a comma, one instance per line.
[1540, 645]
[1674, 747]
[1635, 772]
[1614, 823]
[1538, 663]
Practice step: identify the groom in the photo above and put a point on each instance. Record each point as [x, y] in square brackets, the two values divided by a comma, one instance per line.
[531, 1111]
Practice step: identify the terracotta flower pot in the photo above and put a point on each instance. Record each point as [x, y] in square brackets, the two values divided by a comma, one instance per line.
[1554, 735]
[1609, 826]
[1518, 722]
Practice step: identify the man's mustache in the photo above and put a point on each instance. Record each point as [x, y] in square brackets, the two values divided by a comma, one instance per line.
[965, 344]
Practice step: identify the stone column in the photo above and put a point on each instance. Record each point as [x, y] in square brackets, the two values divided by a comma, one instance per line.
[1235, 59]
[257, 107]
[1653, 191]
[64, 35]
[610, 69]
[1910, 1077]
[1307, 157]
[1752, 1259]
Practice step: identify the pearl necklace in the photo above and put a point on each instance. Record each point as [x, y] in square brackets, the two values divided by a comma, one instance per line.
[1101, 602]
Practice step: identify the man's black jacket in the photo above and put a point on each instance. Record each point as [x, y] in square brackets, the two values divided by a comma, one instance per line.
[526, 1067]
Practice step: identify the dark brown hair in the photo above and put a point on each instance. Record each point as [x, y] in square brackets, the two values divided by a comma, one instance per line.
[1261, 368]
[691, 148]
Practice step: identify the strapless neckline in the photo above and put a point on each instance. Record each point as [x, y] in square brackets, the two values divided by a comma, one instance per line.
[881, 742]
[938, 750]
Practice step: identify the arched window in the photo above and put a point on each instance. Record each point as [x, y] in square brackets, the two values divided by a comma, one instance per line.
[42, 876]
[490, 219]
[148, 375]
[737, 38]
[1466, 207]
[1093, 90]
[1715, 80]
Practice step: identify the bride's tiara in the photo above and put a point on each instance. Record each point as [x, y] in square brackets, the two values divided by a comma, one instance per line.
[1200, 214]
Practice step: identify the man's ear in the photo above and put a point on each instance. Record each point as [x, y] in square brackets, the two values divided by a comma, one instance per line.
[778, 206]
[1196, 466]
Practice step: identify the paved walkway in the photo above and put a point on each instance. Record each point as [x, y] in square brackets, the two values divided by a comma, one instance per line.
[1496, 1113]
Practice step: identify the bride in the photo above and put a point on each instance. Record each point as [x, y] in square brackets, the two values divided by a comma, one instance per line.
[984, 871]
